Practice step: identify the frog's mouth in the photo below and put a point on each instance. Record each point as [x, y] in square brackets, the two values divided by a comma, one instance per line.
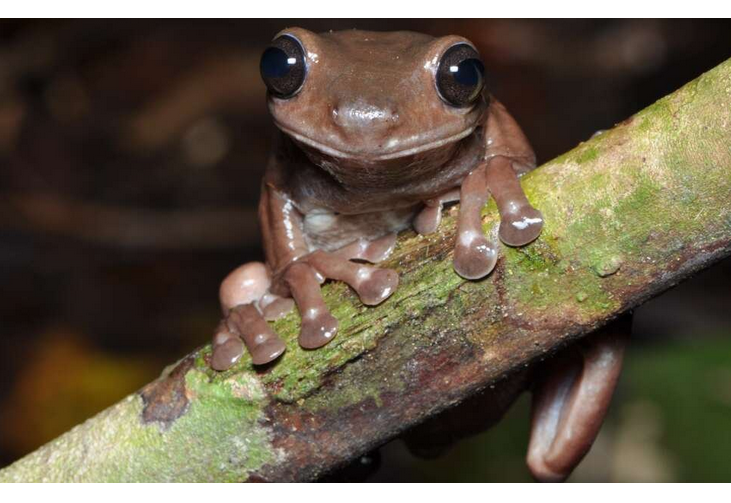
[333, 152]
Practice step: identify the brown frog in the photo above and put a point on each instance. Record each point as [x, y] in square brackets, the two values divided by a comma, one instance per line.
[377, 131]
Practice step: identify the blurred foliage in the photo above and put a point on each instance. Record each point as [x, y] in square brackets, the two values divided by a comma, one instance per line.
[65, 382]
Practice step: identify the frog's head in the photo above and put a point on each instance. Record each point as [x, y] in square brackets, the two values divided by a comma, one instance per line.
[374, 108]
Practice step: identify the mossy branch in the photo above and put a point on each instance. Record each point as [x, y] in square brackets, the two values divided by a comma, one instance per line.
[628, 214]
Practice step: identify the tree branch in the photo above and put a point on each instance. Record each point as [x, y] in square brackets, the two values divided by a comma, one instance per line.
[628, 214]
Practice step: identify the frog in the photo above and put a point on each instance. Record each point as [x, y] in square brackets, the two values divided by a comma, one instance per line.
[376, 133]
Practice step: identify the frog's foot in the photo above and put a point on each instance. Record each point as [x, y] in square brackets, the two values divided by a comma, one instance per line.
[245, 323]
[373, 285]
[520, 223]
[303, 279]
[370, 251]
[474, 254]
[570, 403]
[240, 293]
[227, 348]
[429, 218]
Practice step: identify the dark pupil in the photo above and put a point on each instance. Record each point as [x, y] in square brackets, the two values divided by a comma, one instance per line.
[461, 76]
[275, 63]
[468, 72]
[282, 67]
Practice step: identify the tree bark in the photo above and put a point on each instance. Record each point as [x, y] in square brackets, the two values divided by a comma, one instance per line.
[628, 214]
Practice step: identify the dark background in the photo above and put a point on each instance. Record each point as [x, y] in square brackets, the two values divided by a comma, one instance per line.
[130, 160]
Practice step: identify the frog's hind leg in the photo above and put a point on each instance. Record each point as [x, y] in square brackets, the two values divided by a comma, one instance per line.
[244, 324]
[571, 401]
[520, 223]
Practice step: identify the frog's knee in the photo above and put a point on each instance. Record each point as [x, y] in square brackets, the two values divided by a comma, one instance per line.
[244, 285]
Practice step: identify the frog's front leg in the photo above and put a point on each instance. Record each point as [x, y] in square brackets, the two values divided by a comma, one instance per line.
[474, 254]
[520, 223]
[303, 278]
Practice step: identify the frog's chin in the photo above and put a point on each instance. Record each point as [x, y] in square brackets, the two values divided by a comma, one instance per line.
[374, 157]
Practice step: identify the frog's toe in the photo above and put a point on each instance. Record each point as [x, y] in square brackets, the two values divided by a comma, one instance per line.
[227, 353]
[380, 249]
[227, 348]
[274, 307]
[377, 285]
[522, 227]
[318, 325]
[371, 251]
[245, 326]
[317, 330]
[428, 219]
[267, 351]
[474, 256]
[373, 285]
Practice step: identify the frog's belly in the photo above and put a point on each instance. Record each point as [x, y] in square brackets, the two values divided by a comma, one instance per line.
[325, 230]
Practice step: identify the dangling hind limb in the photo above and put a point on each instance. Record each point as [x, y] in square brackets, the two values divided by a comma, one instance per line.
[571, 396]
[571, 400]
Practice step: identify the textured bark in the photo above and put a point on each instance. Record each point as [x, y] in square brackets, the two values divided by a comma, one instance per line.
[628, 214]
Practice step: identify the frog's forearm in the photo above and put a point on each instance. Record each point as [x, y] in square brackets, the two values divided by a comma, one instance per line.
[281, 224]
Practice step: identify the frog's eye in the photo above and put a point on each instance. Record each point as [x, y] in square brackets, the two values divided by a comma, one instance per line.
[460, 76]
[282, 67]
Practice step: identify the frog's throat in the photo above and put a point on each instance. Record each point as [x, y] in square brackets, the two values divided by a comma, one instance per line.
[393, 155]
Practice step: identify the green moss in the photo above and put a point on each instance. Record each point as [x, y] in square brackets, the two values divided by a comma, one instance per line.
[539, 283]
[586, 154]
[118, 447]
[652, 116]
[301, 372]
